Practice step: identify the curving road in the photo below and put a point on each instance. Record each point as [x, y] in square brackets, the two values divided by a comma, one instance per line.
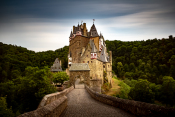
[81, 104]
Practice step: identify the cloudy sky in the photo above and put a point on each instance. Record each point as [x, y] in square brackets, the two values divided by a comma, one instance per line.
[42, 25]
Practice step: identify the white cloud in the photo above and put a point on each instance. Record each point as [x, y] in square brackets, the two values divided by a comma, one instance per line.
[40, 34]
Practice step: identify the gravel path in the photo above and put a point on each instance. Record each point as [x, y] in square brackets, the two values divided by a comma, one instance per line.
[81, 104]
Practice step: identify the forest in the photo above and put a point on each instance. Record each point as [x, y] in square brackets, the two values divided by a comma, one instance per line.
[145, 68]
[25, 77]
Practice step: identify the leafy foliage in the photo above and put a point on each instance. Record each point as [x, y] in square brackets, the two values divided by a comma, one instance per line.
[142, 92]
[147, 67]
[124, 90]
[60, 77]
[150, 59]
[25, 93]
[4, 110]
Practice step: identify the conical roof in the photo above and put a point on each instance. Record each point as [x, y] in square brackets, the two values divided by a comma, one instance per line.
[71, 34]
[94, 31]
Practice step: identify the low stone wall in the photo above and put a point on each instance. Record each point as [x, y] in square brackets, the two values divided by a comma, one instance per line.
[47, 99]
[134, 107]
[52, 105]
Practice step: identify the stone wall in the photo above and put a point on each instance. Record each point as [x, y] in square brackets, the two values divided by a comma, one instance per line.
[52, 105]
[95, 85]
[135, 107]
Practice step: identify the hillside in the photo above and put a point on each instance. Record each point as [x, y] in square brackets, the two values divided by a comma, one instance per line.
[150, 59]
[14, 59]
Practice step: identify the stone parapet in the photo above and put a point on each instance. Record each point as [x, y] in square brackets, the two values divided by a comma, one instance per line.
[135, 107]
[47, 99]
[52, 105]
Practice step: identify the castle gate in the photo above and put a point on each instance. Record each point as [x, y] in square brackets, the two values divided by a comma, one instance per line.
[83, 75]
[80, 70]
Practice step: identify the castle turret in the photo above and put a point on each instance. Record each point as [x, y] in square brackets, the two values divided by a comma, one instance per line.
[101, 41]
[93, 50]
[84, 29]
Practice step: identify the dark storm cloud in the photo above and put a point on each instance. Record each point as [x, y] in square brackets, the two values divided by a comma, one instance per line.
[77, 8]
[46, 24]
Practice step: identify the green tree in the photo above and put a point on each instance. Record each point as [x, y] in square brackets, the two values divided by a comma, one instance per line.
[33, 87]
[168, 90]
[4, 110]
[142, 91]
[120, 69]
[60, 77]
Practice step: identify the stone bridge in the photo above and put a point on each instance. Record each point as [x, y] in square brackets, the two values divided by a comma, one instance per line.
[82, 101]
[81, 104]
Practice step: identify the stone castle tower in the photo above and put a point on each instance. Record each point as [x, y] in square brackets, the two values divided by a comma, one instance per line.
[88, 54]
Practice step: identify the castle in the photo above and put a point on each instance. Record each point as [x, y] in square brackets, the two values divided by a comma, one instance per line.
[88, 55]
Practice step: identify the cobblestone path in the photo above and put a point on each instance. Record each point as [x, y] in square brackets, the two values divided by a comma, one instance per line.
[81, 104]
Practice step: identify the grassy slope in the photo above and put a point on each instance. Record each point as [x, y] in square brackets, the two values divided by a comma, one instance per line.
[115, 88]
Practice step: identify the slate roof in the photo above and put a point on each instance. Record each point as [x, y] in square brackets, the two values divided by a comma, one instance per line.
[93, 31]
[103, 55]
[71, 34]
[94, 49]
[56, 66]
[79, 67]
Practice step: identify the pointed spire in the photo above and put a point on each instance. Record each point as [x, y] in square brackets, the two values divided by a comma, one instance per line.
[71, 33]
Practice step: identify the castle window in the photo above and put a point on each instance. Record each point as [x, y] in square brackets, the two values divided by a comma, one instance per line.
[108, 65]
[87, 55]
[91, 61]
[87, 61]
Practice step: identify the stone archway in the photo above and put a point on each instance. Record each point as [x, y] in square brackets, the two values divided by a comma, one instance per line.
[74, 74]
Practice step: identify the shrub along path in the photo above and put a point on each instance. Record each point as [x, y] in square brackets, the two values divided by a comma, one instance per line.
[81, 104]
